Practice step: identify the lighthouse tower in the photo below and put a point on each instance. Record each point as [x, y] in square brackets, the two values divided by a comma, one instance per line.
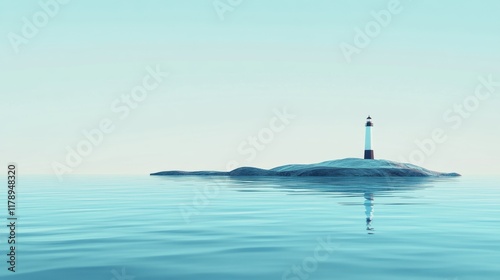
[368, 139]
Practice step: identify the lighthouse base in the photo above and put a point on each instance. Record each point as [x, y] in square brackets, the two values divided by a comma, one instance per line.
[369, 154]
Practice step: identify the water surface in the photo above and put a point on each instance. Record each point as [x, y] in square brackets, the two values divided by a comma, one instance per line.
[142, 227]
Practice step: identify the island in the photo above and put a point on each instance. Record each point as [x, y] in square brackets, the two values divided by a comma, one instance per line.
[348, 167]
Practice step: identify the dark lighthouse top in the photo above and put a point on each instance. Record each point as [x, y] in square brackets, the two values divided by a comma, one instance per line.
[369, 121]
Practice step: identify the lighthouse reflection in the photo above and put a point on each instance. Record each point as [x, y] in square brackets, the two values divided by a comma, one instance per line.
[361, 190]
[369, 212]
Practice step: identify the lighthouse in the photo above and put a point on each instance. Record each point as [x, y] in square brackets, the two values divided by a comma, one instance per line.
[368, 139]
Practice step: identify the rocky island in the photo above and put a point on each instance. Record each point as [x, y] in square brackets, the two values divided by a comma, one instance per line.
[334, 168]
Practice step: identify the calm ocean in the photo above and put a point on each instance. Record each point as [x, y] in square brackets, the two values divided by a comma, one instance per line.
[142, 227]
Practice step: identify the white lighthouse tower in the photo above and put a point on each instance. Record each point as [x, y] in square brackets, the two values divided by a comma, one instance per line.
[368, 139]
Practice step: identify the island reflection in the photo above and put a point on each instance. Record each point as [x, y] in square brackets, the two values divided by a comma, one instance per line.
[365, 188]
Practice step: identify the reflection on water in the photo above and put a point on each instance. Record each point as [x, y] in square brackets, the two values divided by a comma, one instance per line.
[347, 186]
[369, 212]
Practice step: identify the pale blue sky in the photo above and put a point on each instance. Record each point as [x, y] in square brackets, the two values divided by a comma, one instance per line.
[227, 77]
